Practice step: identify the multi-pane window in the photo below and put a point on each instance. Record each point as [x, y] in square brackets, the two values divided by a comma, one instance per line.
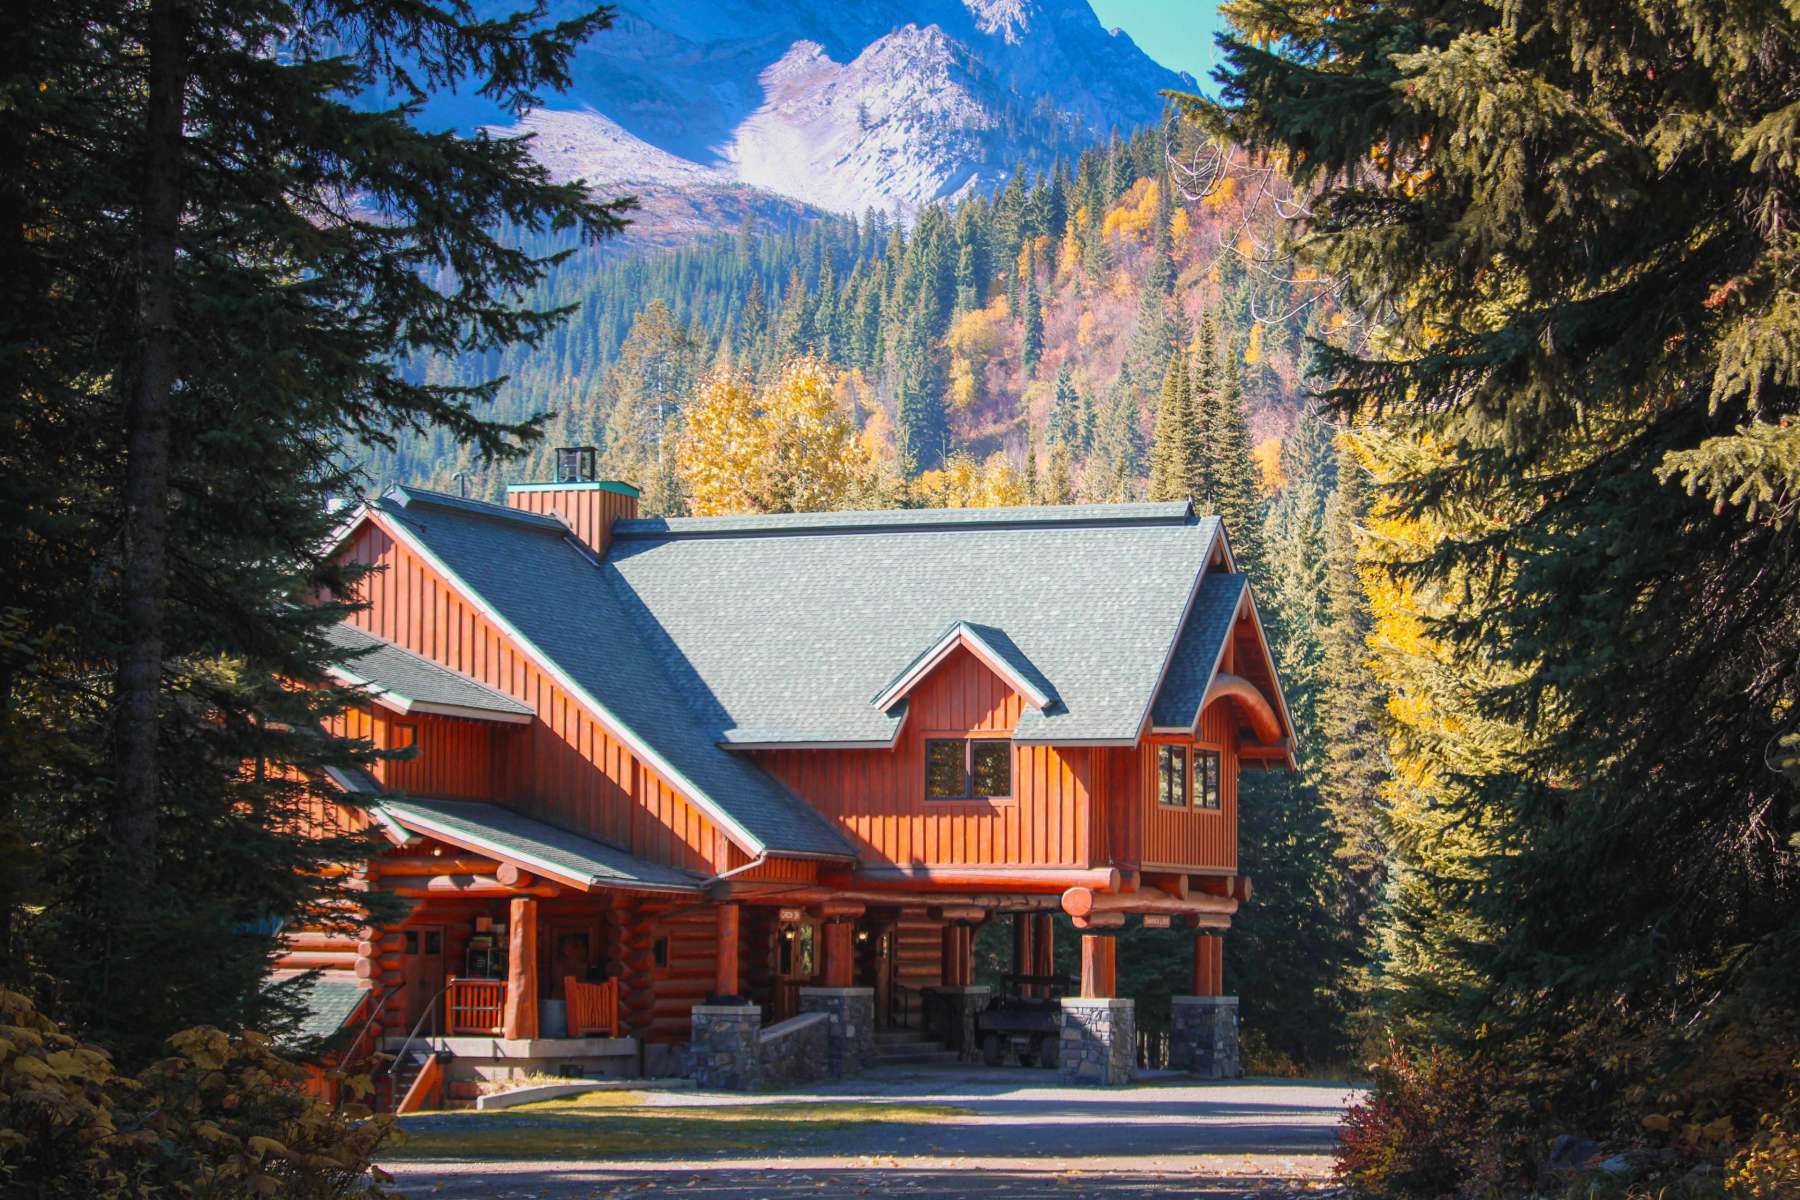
[1172, 775]
[1206, 779]
[968, 768]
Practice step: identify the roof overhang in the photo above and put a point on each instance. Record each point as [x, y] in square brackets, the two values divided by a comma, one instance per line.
[965, 636]
[502, 851]
[406, 706]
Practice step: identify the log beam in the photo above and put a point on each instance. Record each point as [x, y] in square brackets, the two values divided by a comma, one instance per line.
[928, 879]
[474, 886]
[725, 976]
[1085, 902]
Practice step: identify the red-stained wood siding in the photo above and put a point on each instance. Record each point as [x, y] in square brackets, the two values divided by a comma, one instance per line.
[1193, 839]
[455, 758]
[589, 512]
[563, 768]
[877, 797]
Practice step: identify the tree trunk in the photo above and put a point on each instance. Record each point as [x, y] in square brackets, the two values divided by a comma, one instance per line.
[147, 447]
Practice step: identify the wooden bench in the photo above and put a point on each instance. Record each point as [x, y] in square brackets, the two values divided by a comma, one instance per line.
[593, 1007]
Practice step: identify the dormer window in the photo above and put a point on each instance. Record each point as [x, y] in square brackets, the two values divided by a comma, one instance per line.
[968, 769]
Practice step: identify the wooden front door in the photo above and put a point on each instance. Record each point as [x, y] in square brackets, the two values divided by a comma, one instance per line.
[796, 964]
[875, 964]
[422, 971]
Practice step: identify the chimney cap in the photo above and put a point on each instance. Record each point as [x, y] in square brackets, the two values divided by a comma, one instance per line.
[577, 464]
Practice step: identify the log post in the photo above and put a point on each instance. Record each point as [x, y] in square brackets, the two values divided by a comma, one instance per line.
[1209, 964]
[950, 957]
[1022, 956]
[521, 970]
[725, 977]
[1099, 967]
[1043, 947]
[839, 968]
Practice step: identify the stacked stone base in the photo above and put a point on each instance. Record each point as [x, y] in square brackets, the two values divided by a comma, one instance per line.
[850, 1040]
[960, 1007]
[1099, 1042]
[1203, 1036]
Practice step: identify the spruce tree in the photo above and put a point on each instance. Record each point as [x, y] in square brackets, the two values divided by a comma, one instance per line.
[1032, 494]
[1235, 494]
[1169, 457]
[1031, 325]
[1064, 425]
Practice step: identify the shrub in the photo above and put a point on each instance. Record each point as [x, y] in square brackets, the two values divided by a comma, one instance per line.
[1424, 1131]
[220, 1118]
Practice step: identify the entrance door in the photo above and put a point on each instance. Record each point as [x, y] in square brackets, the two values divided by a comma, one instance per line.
[875, 965]
[796, 963]
[422, 970]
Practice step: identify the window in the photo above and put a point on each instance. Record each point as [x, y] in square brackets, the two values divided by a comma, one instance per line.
[659, 952]
[1206, 779]
[403, 735]
[968, 769]
[1172, 775]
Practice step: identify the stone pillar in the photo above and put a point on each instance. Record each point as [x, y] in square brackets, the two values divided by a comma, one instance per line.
[1203, 1036]
[961, 1003]
[521, 1018]
[1099, 1041]
[851, 1040]
[724, 1047]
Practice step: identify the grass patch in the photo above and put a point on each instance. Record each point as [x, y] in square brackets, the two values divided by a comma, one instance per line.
[615, 1125]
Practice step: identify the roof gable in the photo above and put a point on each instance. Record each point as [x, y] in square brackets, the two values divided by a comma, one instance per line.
[1196, 676]
[991, 646]
[546, 592]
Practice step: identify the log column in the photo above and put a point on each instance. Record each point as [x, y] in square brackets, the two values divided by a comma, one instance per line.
[1023, 957]
[521, 970]
[955, 955]
[1209, 964]
[1203, 1027]
[1043, 947]
[725, 976]
[1099, 967]
[839, 967]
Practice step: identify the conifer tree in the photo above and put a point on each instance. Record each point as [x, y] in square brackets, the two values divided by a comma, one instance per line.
[1114, 465]
[1031, 322]
[1169, 450]
[1235, 494]
[1032, 494]
[1065, 421]
[1060, 487]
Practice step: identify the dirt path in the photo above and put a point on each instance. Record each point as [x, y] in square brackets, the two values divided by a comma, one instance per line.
[1006, 1132]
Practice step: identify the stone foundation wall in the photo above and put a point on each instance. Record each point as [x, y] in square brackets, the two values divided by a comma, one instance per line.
[1203, 1036]
[851, 1035]
[797, 1050]
[1099, 1042]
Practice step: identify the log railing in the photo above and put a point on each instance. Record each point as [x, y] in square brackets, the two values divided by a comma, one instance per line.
[475, 1006]
[593, 1007]
[427, 1090]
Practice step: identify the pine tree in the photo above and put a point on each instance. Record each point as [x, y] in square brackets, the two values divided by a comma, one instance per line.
[1065, 423]
[1060, 487]
[1174, 434]
[1032, 494]
[1031, 322]
[1116, 461]
[1235, 494]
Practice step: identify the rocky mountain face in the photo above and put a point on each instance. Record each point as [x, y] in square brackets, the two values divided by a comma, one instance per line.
[708, 107]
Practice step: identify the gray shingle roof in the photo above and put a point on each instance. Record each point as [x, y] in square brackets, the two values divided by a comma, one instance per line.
[518, 838]
[696, 635]
[1191, 669]
[798, 637]
[413, 681]
[330, 1002]
[550, 591]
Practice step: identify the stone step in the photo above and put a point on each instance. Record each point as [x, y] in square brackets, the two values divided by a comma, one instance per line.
[914, 1058]
[899, 1037]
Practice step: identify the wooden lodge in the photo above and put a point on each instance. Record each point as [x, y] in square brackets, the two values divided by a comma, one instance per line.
[728, 797]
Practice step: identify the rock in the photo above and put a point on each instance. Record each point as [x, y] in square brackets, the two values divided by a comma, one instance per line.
[1618, 1164]
[1569, 1151]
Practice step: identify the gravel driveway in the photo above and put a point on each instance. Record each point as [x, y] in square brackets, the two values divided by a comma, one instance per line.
[1019, 1137]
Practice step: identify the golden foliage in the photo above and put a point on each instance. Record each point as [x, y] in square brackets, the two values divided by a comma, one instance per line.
[790, 449]
[221, 1117]
[1131, 217]
[1084, 329]
[1181, 227]
[963, 483]
[1267, 457]
[1222, 193]
[1253, 348]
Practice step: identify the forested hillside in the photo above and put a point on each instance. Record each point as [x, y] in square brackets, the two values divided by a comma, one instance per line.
[1051, 309]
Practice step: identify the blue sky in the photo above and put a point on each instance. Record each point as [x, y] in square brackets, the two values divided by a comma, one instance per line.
[1176, 33]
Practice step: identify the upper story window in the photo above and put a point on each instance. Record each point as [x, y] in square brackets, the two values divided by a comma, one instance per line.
[1206, 779]
[968, 769]
[1172, 775]
[1187, 777]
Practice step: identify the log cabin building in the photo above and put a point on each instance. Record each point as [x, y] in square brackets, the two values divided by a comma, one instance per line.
[728, 796]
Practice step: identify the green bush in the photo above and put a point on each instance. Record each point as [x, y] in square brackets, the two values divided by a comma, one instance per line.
[220, 1118]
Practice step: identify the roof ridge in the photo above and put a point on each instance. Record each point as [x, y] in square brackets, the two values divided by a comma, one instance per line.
[410, 494]
[910, 520]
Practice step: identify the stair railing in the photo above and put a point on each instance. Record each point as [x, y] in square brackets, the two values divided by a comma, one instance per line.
[400, 1055]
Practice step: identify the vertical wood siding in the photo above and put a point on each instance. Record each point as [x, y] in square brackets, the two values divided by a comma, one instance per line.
[877, 797]
[564, 767]
[1193, 839]
[455, 757]
[589, 512]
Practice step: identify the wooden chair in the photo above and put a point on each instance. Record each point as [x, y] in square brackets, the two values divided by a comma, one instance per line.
[593, 1007]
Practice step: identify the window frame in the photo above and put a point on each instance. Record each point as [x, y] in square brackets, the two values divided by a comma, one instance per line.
[1200, 798]
[968, 741]
[1186, 750]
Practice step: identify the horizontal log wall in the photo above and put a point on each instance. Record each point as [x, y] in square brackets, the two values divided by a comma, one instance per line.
[877, 797]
